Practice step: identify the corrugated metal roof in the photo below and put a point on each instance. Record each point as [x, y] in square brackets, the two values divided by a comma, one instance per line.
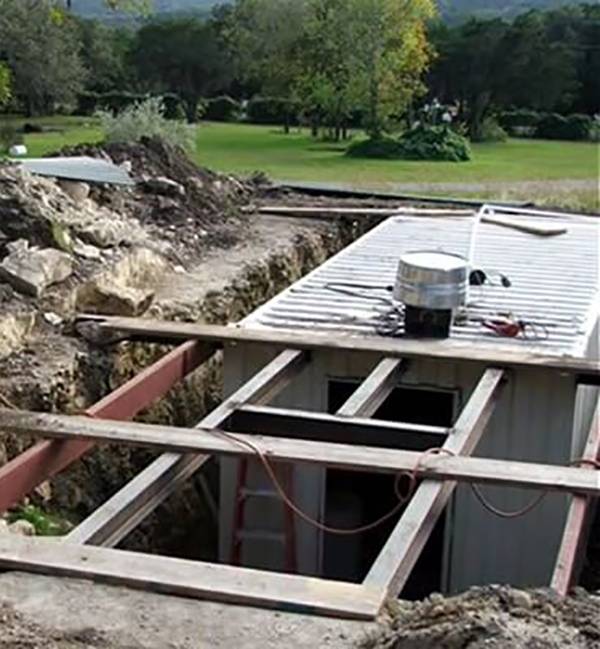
[555, 281]
[80, 168]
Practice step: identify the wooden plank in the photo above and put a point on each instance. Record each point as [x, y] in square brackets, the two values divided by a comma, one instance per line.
[321, 426]
[117, 517]
[189, 578]
[374, 390]
[25, 472]
[394, 564]
[328, 211]
[448, 350]
[572, 544]
[529, 227]
[345, 456]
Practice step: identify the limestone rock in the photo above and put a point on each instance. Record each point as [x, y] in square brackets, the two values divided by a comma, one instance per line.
[86, 251]
[163, 186]
[32, 270]
[22, 528]
[127, 289]
[78, 191]
[14, 329]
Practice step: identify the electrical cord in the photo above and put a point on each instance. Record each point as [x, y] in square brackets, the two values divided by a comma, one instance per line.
[403, 498]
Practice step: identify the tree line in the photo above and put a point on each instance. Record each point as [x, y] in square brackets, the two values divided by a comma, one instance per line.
[331, 63]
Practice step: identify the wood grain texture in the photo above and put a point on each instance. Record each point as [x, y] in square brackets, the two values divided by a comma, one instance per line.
[488, 354]
[189, 578]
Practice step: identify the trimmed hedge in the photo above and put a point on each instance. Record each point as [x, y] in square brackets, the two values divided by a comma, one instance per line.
[272, 110]
[222, 109]
[519, 118]
[557, 127]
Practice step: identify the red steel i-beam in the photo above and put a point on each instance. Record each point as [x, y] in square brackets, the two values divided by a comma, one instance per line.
[25, 472]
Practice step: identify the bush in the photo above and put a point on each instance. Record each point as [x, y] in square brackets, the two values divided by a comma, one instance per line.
[435, 143]
[384, 148]
[491, 131]
[272, 110]
[557, 127]
[222, 109]
[519, 118]
[147, 119]
[87, 103]
[9, 136]
[173, 106]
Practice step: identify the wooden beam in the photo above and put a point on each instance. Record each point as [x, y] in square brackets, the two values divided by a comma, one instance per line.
[116, 518]
[394, 564]
[448, 350]
[571, 547]
[328, 211]
[374, 390]
[321, 426]
[25, 472]
[344, 456]
[189, 578]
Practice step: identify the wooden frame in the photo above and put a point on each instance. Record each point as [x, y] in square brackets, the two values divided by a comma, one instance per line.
[187, 450]
[489, 354]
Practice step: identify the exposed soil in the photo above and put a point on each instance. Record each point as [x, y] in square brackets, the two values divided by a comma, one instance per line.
[492, 617]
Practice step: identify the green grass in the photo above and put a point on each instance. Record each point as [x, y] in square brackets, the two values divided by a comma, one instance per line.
[245, 148]
[242, 149]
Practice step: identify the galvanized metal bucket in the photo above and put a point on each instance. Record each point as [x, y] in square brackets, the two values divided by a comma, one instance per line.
[432, 280]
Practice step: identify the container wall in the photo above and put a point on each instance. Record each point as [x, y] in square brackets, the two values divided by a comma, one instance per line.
[533, 421]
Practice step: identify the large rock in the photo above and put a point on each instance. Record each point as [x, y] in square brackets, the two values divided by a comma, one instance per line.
[32, 270]
[163, 186]
[126, 289]
[14, 329]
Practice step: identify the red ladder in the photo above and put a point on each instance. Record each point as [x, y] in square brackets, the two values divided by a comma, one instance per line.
[287, 539]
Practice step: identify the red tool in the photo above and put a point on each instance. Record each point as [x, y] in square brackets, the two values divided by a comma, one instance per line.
[509, 327]
[506, 327]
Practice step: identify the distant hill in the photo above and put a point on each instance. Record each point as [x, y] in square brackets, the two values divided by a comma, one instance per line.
[97, 8]
[452, 10]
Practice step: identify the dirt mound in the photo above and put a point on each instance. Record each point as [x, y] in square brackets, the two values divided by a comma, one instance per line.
[492, 617]
[196, 205]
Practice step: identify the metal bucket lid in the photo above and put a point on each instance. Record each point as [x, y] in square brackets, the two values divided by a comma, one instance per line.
[432, 279]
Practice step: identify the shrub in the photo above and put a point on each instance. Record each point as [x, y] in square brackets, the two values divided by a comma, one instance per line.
[491, 131]
[435, 143]
[222, 109]
[9, 136]
[557, 127]
[384, 148]
[147, 119]
[173, 106]
[272, 110]
[87, 103]
[519, 118]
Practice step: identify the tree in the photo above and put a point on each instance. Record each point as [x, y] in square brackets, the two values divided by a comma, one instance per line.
[390, 55]
[40, 45]
[104, 52]
[183, 56]
[540, 70]
[265, 38]
[327, 48]
[5, 87]
[470, 66]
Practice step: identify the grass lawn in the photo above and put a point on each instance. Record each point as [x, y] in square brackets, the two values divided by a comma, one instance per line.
[243, 148]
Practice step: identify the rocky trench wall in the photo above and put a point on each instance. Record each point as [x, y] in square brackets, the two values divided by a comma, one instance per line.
[182, 526]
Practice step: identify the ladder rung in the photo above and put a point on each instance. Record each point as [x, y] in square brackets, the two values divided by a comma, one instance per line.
[259, 493]
[258, 535]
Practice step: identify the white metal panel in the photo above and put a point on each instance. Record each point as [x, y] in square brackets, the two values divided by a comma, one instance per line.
[555, 282]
